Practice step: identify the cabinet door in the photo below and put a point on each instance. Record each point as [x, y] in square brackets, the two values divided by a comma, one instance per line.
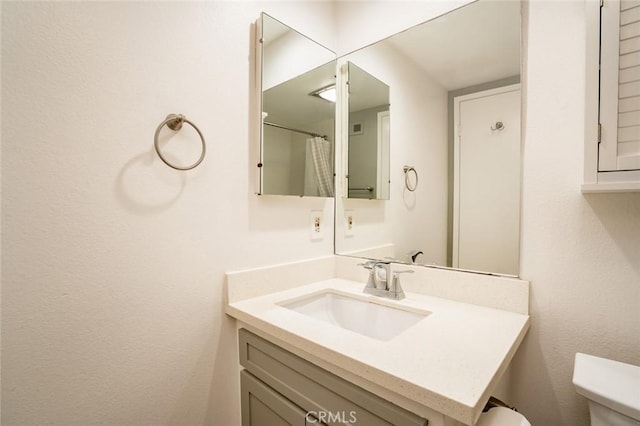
[612, 96]
[331, 399]
[619, 147]
[262, 406]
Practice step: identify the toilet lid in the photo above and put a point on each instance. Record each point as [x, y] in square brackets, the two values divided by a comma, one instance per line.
[502, 416]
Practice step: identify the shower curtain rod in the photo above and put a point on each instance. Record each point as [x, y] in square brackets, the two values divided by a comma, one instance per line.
[295, 130]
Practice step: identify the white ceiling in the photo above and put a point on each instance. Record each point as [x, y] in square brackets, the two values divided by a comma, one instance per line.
[475, 44]
[290, 104]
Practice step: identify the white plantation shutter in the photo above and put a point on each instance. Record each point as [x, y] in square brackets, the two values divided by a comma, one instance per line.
[619, 147]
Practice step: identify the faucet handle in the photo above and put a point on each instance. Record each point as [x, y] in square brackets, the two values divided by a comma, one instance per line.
[368, 264]
[371, 266]
[395, 288]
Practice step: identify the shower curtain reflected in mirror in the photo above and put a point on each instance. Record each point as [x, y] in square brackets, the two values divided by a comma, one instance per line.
[318, 179]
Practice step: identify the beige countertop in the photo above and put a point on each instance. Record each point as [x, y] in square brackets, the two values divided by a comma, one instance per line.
[449, 362]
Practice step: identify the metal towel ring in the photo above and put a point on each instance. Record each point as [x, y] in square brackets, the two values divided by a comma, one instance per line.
[407, 182]
[174, 122]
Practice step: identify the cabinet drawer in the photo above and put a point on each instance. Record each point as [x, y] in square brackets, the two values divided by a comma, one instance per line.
[330, 398]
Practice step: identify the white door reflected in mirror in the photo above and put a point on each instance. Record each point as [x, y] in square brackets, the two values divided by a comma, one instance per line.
[486, 194]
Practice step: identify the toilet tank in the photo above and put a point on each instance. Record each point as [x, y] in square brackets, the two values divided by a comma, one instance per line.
[611, 384]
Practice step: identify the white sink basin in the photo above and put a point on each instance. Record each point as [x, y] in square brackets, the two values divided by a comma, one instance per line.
[361, 315]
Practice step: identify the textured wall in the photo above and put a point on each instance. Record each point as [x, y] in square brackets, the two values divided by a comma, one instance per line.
[581, 252]
[113, 264]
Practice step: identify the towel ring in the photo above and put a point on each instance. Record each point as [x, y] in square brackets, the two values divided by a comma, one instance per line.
[407, 181]
[174, 122]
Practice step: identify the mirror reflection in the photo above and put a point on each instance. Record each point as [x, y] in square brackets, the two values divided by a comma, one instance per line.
[368, 141]
[454, 87]
[298, 113]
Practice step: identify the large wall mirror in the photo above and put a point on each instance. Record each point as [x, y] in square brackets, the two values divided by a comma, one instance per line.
[455, 95]
[297, 85]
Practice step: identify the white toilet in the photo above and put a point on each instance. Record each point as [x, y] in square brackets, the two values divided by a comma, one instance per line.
[612, 388]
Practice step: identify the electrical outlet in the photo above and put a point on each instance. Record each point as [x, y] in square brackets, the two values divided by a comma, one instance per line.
[349, 222]
[317, 226]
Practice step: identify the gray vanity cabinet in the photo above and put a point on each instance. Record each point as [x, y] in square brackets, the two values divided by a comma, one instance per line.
[262, 406]
[280, 388]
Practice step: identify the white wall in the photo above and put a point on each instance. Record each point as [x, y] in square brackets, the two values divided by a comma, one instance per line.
[581, 253]
[113, 264]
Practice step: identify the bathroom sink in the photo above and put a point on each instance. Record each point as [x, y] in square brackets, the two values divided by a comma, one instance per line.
[360, 315]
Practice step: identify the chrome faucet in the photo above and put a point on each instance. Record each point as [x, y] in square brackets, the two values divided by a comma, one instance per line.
[379, 276]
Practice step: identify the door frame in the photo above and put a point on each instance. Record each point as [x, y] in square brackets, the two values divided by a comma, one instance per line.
[383, 160]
